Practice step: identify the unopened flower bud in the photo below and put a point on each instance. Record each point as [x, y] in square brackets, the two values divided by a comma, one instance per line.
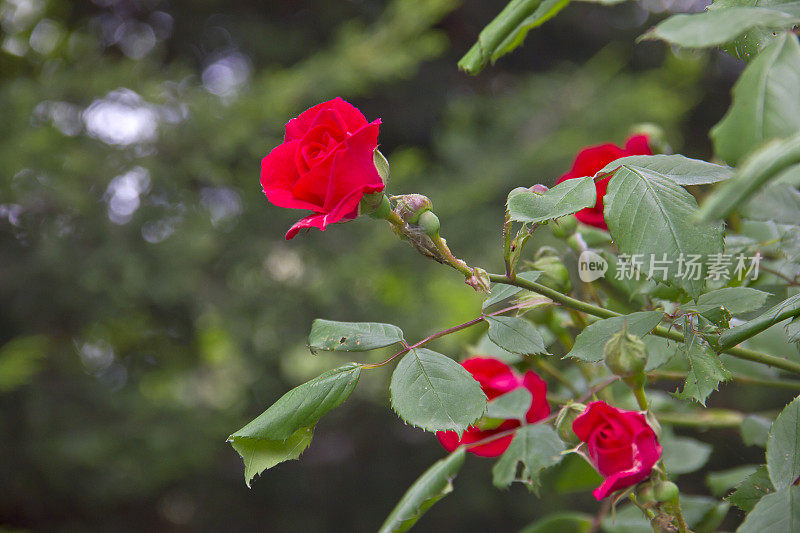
[564, 421]
[626, 356]
[565, 226]
[666, 492]
[554, 273]
[411, 206]
[429, 223]
[577, 242]
[644, 494]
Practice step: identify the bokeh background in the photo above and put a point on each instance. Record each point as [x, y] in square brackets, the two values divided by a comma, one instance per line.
[149, 305]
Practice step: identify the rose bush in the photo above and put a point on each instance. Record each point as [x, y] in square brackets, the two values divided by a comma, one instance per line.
[324, 164]
[497, 378]
[592, 159]
[620, 444]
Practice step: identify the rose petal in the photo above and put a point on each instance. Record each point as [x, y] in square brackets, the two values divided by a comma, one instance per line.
[646, 453]
[591, 160]
[279, 175]
[352, 117]
[539, 408]
[354, 167]
[495, 376]
[494, 448]
[638, 145]
[346, 210]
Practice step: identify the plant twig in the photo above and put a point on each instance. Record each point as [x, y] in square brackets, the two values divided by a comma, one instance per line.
[579, 305]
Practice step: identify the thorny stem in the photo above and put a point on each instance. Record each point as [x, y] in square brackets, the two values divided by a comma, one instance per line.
[567, 301]
[739, 378]
[438, 334]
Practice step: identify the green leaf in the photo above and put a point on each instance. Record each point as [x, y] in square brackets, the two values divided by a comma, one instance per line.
[566, 522]
[659, 351]
[779, 512]
[284, 430]
[705, 371]
[501, 291]
[514, 404]
[261, 454]
[680, 169]
[572, 474]
[651, 215]
[748, 45]
[779, 203]
[516, 335]
[755, 430]
[722, 482]
[433, 392]
[682, 455]
[761, 167]
[713, 28]
[352, 336]
[569, 196]
[735, 300]
[783, 447]
[766, 164]
[590, 342]
[429, 488]
[537, 447]
[766, 101]
[486, 348]
[752, 489]
[793, 330]
[508, 30]
[787, 309]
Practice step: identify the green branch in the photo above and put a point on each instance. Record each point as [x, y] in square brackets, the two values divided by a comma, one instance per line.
[579, 305]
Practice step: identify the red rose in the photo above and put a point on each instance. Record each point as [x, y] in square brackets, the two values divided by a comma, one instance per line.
[622, 445]
[592, 159]
[325, 164]
[497, 378]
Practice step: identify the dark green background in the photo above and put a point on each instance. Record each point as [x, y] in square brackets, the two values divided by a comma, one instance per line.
[133, 341]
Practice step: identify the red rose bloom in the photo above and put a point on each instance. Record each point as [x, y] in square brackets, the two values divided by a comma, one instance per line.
[325, 164]
[497, 378]
[592, 159]
[621, 444]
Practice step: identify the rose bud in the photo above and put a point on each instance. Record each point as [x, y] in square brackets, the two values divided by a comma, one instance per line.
[591, 160]
[621, 445]
[666, 492]
[564, 421]
[554, 273]
[497, 378]
[410, 206]
[626, 356]
[564, 227]
[429, 223]
[326, 164]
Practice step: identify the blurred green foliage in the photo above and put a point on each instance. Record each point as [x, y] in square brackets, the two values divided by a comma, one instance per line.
[148, 303]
